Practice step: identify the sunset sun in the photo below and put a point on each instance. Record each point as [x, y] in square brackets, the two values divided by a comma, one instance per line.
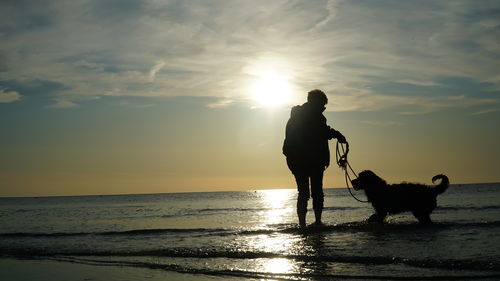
[270, 84]
[271, 90]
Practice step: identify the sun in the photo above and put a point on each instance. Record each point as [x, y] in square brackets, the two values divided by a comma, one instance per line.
[270, 84]
[271, 90]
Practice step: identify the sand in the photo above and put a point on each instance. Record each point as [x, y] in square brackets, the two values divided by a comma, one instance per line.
[48, 270]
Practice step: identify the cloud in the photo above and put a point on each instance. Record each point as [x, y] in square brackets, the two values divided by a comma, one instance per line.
[129, 104]
[200, 48]
[331, 7]
[221, 103]
[407, 105]
[63, 104]
[7, 96]
[157, 67]
[486, 111]
[419, 83]
[382, 123]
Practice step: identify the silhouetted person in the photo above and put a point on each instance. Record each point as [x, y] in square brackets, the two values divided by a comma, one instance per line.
[307, 153]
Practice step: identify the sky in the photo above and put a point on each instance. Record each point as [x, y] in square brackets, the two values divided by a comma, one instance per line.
[153, 96]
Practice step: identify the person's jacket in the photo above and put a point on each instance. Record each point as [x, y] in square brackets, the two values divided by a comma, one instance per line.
[306, 137]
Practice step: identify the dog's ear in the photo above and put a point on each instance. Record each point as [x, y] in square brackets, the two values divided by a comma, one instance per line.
[381, 182]
[371, 174]
[378, 181]
[365, 174]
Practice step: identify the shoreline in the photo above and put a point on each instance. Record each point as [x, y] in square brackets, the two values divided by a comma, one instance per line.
[13, 269]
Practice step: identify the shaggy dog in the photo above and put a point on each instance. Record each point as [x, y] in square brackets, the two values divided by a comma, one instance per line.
[396, 198]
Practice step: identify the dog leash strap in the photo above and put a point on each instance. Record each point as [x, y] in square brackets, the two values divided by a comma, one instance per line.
[347, 181]
[346, 166]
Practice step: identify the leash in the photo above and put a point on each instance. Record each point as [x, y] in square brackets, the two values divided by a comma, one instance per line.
[344, 164]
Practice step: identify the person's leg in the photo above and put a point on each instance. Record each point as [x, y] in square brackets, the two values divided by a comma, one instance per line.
[317, 194]
[303, 196]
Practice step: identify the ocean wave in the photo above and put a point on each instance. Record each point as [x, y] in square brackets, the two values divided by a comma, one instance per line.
[343, 208]
[217, 210]
[133, 232]
[468, 208]
[278, 228]
[226, 272]
[364, 226]
[442, 264]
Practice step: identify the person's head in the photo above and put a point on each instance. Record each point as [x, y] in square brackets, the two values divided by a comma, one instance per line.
[317, 97]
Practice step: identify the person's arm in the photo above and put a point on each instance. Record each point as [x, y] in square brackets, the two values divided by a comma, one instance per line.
[334, 134]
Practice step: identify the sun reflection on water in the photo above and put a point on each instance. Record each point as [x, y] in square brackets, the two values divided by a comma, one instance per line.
[277, 214]
[280, 245]
[274, 243]
[277, 205]
[279, 265]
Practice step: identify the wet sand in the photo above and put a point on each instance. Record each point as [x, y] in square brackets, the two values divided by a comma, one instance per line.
[49, 270]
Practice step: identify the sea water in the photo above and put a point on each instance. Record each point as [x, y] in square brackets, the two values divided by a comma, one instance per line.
[254, 235]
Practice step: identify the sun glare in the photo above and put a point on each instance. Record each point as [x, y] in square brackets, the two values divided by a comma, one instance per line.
[278, 205]
[279, 265]
[271, 90]
[270, 85]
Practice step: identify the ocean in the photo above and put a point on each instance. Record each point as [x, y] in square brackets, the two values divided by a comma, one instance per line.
[249, 235]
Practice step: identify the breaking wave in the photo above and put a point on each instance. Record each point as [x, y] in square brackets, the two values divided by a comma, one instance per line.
[280, 228]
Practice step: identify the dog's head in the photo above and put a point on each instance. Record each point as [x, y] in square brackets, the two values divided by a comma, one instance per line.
[367, 179]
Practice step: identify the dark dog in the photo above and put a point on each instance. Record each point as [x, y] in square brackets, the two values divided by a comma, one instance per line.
[397, 198]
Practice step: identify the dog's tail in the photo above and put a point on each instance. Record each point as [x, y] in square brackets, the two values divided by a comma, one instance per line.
[443, 185]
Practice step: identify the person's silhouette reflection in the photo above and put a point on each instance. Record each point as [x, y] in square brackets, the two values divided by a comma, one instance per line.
[307, 153]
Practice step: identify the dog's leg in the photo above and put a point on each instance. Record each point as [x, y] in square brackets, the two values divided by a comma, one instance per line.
[378, 218]
[423, 218]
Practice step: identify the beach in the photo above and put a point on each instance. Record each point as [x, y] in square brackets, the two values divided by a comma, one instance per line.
[47, 270]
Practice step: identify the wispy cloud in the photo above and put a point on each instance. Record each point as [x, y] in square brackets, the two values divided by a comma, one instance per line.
[382, 123]
[157, 67]
[331, 7]
[221, 103]
[7, 96]
[133, 105]
[486, 111]
[412, 104]
[63, 104]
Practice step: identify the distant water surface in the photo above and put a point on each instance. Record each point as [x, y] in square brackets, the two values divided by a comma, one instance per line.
[253, 234]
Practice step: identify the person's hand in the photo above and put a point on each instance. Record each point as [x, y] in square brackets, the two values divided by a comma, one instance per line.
[341, 138]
